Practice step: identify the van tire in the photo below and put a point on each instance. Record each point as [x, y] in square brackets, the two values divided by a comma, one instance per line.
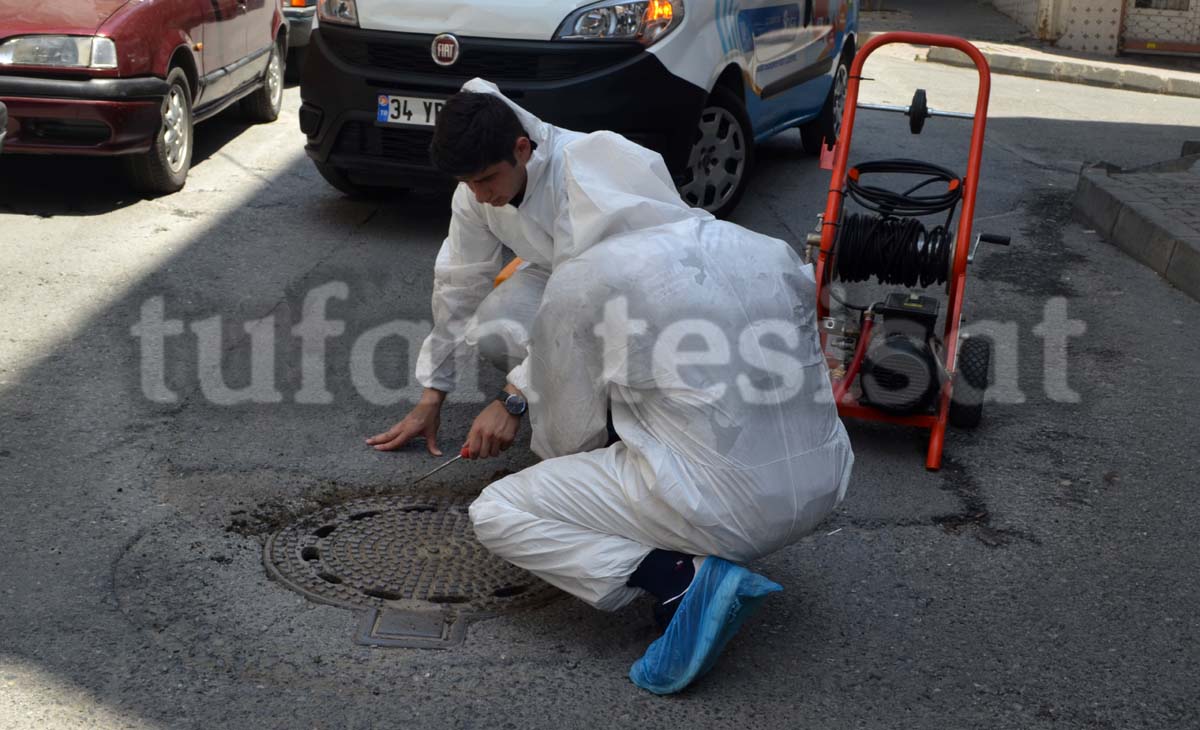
[722, 155]
[295, 62]
[828, 123]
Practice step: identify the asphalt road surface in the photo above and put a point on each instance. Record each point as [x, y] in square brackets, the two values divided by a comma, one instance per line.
[1044, 578]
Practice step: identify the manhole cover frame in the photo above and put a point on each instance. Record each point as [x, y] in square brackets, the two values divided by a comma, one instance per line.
[404, 622]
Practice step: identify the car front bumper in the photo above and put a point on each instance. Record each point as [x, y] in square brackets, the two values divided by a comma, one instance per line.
[584, 87]
[300, 25]
[85, 117]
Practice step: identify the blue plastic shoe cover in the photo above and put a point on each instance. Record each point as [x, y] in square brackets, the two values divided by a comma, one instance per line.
[720, 599]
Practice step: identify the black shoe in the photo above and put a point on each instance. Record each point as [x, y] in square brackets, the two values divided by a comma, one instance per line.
[664, 612]
[666, 575]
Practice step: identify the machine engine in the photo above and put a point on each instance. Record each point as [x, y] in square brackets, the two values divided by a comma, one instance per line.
[902, 373]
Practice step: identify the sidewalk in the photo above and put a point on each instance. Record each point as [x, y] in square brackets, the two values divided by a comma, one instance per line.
[1152, 213]
[1011, 49]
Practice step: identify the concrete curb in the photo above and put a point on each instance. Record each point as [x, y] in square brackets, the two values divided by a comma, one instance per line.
[1122, 214]
[1039, 65]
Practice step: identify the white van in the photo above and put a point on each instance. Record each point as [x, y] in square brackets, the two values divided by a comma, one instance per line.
[699, 81]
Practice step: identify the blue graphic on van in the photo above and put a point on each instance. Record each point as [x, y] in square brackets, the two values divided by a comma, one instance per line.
[776, 23]
[726, 13]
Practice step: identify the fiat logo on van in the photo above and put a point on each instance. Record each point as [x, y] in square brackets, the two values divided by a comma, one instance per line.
[445, 50]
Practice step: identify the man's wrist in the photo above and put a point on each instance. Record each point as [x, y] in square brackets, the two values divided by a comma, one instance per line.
[433, 396]
[514, 403]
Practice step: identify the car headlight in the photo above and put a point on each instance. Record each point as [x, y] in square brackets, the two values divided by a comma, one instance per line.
[59, 51]
[620, 20]
[338, 11]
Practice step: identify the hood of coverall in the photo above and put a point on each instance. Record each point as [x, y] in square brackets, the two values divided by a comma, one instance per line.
[537, 130]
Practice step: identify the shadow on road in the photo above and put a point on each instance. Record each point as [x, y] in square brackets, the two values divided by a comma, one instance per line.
[66, 185]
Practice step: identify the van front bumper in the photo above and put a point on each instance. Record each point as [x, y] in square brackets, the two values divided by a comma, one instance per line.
[581, 86]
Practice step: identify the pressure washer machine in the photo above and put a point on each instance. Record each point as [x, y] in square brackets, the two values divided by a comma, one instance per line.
[887, 360]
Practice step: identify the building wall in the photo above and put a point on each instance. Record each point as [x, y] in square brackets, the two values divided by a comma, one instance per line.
[1090, 26]
[1094, 26]
[1024, 12]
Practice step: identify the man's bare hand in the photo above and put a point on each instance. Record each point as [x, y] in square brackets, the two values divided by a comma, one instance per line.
[423, 420]
[493, 431]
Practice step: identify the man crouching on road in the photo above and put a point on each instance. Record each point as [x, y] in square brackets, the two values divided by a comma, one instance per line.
[697, 335]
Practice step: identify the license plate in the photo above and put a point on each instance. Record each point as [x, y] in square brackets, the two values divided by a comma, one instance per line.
[407, 110]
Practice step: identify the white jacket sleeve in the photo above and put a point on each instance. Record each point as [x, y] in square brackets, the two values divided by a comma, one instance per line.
[467, 264]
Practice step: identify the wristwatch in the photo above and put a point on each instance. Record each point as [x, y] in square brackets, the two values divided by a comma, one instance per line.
[513, 403]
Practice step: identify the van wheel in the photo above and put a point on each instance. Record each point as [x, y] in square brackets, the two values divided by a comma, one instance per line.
[828, 123]
[264, 104]
[164, 168]
[722, 155]
[295, 62]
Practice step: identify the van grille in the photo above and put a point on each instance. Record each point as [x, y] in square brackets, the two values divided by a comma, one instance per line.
[410, 146]
[486, 58]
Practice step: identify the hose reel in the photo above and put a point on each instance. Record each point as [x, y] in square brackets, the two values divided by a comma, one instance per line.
[902, 371]
[890, 242]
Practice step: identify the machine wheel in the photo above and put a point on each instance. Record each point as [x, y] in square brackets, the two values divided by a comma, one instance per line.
[828, 123]
[338, 178]
[971, 382]
[164, 168]
[722, 155]
[264, 104]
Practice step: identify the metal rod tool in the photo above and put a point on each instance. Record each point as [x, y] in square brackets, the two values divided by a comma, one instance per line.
[465, 453]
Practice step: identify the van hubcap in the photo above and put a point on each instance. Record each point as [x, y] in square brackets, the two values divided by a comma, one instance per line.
[718, 160]
[840, 82]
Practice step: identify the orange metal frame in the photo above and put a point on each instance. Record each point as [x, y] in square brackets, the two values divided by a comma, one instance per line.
[956, 286]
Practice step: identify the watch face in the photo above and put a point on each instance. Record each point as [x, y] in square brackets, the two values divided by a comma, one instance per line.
[515, 404]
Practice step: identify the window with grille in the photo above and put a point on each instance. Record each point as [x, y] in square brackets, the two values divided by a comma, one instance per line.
[1163, 4]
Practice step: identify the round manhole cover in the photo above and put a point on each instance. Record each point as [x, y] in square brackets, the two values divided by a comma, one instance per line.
[400, 554]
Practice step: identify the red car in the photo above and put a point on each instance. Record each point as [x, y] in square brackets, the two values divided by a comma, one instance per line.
[131, 77]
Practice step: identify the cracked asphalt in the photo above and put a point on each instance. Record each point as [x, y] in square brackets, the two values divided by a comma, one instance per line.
[1044, 578]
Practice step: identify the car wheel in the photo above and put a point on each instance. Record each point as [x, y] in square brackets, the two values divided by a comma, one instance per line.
[264, 104]
[338, 178]
[164, 168]
[721, 157]
[828, 123]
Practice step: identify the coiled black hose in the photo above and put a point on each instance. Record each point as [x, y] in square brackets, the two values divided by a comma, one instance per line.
[890, 203]
[890, 243]
[894, 250]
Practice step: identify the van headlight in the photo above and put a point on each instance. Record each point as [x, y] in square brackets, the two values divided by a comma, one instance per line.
[59, 51]
[617, 20]
[344, 12]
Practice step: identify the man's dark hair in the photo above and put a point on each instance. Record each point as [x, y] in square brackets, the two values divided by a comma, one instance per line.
[474, 131]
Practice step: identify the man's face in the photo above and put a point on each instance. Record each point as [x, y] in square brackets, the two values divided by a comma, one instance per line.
[498, 184]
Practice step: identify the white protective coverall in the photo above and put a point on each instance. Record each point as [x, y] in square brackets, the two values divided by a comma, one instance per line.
[701, 337]
[541, 231]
